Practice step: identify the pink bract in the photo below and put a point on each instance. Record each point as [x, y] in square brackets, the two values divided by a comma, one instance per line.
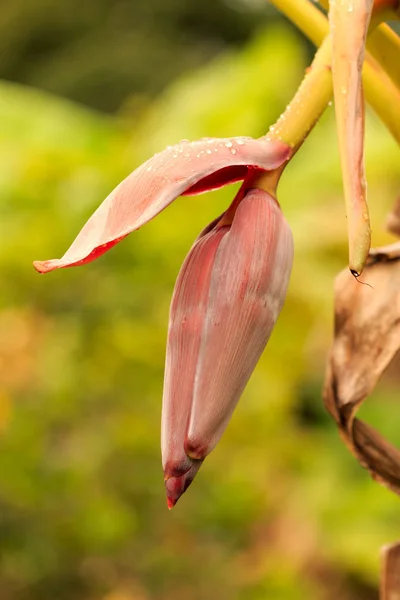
[186, 168]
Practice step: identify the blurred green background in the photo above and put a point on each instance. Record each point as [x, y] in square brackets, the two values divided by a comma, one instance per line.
[280, 510]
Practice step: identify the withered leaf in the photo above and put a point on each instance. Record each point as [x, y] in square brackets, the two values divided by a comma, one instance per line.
[390, 581]
[367, 337]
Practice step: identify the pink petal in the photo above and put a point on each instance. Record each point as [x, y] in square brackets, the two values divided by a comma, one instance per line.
[227, 298]
[188, 306]
[247, 291]
[188, 167]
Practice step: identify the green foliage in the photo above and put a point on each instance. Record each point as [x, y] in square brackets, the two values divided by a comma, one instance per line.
[99, 51]
[280, 509]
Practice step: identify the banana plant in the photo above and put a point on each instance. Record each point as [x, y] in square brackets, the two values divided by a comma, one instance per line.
[233, 283]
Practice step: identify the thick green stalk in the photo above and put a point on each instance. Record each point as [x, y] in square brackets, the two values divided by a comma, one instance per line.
[306, 17]
[300, 116]
[384, 45]
[309, 102]
[380, 91]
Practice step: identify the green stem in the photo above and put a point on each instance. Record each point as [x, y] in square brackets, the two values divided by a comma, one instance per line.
[306, 17]
[300, 116]
[309, 102]
[380, 91]
[384, 98]
[384, 45]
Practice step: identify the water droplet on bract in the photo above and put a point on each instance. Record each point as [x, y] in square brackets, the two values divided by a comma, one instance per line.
[175, 155]
[240, 142]
[209, 151]
[233, 151]
[228, 144]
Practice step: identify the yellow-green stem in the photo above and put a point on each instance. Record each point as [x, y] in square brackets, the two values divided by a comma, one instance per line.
[383, 43]
[309, 102]
[380, 91]
[300, 116]
[306, 17]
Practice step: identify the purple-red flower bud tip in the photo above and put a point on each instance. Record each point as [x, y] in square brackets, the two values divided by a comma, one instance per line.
[170, 503]
[176, 486]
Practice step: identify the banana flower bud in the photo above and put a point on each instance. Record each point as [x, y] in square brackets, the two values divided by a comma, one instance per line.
[229, 292]
[227, 298]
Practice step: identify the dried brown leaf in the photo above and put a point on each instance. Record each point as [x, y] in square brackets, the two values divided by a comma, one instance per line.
[390, 582]
[367, 337]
